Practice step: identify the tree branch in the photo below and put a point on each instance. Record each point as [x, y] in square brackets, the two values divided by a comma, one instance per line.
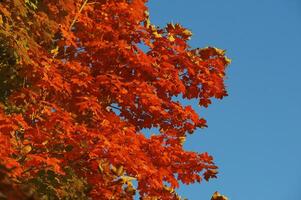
[77, 14]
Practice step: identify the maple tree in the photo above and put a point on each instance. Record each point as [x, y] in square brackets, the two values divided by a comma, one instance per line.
[77, 91]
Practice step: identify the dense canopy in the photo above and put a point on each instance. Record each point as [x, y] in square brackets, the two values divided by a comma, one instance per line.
[80, 81]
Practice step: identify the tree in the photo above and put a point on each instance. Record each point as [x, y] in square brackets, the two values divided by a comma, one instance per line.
[77, 91]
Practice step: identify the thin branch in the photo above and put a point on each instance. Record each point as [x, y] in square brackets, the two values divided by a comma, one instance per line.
[29, 169]
[77, 14]
[92, 3]
[114, 107]
[185, 73]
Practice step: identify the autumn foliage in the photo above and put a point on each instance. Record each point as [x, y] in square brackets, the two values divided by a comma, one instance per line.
[78, 91]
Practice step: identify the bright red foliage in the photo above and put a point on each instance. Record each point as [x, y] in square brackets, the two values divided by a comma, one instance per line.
[88, 90]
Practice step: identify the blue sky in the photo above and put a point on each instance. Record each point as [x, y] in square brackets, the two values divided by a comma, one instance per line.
[254, 134]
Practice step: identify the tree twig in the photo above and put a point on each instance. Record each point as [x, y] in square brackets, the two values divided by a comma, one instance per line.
[77, 14]
[114, 107]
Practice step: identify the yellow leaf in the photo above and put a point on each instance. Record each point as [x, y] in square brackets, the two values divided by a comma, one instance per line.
[220, 51]
[157, 35]
[169, 189]
[153, 28]
[171, 38]
[1, 20]
[100, 167]
[127, 179]
[26, 149]
[182, 139]
[221, 75]
[146, 13]
[147, 24]
[55, 51]
[218, 196]
[187, 33]
[228, 60]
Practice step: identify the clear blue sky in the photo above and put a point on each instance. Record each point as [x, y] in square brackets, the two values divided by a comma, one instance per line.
[255, 133]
